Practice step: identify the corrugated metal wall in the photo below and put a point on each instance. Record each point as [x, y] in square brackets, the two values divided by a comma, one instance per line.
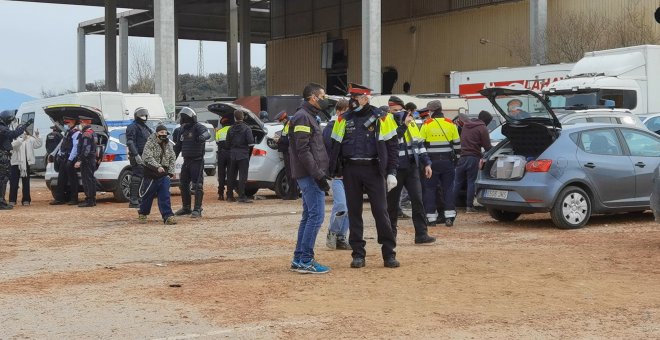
[292, 63]
[439, 44]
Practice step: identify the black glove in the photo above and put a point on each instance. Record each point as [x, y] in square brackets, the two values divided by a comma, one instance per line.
[323, 183]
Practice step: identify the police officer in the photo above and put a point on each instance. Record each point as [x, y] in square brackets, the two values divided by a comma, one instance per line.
[223, 156]
[189, 140]
[66, 191]
[443, 145]
[6, 137]
[365, 151]
[86, 161]
[53, 139]
[283, 147]
[137, 134]
[412, 157]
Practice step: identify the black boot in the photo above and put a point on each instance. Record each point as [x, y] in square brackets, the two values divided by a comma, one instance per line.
[88, 203]
[185, 201]
[134, 199]
[199, 197]
[221, 196]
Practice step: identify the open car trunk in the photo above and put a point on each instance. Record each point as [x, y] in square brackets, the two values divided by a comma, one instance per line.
[226, 111]
[58, 112]
[530, 128]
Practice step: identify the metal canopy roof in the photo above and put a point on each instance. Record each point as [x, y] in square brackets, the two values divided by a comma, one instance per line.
[196, 19]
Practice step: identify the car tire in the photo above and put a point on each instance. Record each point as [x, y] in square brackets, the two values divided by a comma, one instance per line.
[210, 172]
[281, 184]
[572, 209]
[503, 215]
[123, 189]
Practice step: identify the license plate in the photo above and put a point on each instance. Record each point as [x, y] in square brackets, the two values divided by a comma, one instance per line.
[498, 194]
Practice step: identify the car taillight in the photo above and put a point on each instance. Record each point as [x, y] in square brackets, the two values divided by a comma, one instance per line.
[539, 165]
[109, 157]
[258, 152]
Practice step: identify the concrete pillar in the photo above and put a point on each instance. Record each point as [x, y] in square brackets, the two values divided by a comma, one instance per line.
[81, 60]
[164, 52]
[371, 49]
[123, 54]
[244, 22]
[111, 45]
[538, 22]
[232, 49]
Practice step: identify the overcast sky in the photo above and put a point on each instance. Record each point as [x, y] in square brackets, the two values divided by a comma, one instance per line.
[38, 48]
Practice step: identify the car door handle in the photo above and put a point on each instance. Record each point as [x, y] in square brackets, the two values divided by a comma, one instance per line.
[590, 165]
[640, 164]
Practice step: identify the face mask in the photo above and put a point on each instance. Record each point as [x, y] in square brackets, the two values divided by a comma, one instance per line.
[353, 103]
[323, 103]
[162, 138]
[143, 118]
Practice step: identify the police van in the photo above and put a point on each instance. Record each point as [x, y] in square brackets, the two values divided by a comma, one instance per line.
[117, 110]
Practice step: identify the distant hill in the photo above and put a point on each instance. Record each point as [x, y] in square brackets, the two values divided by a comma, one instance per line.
[12, 100]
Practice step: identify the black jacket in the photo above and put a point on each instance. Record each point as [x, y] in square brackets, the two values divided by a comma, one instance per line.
[240, 139]
[306, 149]
[190, 140]
[137, 134]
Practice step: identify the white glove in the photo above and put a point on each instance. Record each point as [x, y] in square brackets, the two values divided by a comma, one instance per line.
[391, 182]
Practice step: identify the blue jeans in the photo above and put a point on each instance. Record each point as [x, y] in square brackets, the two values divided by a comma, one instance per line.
[312, 218]
[467, 169]
[156, 187]
[339, 217]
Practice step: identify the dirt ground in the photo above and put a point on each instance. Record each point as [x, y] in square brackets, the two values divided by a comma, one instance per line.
[70, 273]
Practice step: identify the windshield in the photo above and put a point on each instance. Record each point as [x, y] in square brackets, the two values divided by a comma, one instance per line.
[522, 106]
[604, 98]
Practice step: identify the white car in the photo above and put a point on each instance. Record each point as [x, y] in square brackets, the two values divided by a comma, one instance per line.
[266, 168]
[114, 172]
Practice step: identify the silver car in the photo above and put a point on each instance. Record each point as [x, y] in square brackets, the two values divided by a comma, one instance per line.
[571, 172]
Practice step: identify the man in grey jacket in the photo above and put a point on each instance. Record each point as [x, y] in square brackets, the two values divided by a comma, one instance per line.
[309, 164]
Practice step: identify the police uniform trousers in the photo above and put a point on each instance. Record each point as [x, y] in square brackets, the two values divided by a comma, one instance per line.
[359, 179]
[137, 173]
[87, 168]
[5, 168]
[292, 190]
[67, 181]
[192, 172]
[223, 169]
[443, 178]
[410, 179]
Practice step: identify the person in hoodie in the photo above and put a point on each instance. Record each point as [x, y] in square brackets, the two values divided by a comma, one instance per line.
[474, 137]
[239, 139]
[158, 159]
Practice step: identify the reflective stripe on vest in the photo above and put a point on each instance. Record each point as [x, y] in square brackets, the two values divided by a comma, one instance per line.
[285, 131]
[439, 136]
[387, 128]
[221, 135]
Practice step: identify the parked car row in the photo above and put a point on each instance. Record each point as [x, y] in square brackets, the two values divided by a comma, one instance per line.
[114, 172]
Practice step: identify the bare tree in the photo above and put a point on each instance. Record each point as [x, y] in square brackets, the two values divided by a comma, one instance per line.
[631, 29]
[142, 69]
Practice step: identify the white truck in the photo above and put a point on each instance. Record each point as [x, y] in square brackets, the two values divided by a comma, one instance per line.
[626, 78]
[117, 110]
[468, 84]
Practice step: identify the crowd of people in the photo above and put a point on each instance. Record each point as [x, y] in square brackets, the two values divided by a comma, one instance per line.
[380, 152]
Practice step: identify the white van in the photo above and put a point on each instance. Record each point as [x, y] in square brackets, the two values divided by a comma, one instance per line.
[117, 110]
[450, 103]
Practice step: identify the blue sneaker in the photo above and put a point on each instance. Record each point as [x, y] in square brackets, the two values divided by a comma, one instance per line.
[295, 265]
[312, 267]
